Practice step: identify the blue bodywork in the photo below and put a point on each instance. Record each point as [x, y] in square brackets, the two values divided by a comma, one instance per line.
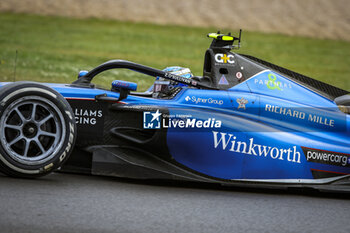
[259, 140]
[211, 151]
[277, 139]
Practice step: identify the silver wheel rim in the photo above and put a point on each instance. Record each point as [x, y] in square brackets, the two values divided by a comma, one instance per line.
[32, 130]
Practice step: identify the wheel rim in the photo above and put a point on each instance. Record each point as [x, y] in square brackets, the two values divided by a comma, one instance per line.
[32, 130]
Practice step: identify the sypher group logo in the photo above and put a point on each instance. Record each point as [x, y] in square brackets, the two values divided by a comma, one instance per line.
[151, 120]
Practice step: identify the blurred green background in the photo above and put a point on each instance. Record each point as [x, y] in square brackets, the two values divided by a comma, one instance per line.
[54, 49]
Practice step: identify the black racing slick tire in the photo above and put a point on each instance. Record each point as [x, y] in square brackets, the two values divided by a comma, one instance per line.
[37, 129]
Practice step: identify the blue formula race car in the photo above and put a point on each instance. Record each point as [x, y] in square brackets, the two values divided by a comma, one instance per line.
[244, 122]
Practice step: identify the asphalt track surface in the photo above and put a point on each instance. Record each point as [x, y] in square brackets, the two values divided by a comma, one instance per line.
[79, 203]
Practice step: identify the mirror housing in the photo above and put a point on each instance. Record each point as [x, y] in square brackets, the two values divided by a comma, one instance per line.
[123, 87]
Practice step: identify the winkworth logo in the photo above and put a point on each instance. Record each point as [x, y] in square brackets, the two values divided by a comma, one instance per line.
[151, 120]
[230, 142]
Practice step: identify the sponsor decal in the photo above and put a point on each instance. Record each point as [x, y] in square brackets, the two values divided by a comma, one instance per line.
[87, 116]
[121, 84]
[179, 78]
[224, 58]
[156, 120]
[326, 157]
[314, 118]
[199, 100]
[272, 83]
[194, 83]
[191, 123]
[320, 120]
[70, 141]
[239, 75]
[241, 103]
[229, 142]
[151, 120]
[223, 80]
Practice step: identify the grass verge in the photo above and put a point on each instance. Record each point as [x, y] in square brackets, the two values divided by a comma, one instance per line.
[54, 49]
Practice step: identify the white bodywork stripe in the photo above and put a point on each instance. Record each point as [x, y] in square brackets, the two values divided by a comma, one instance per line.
[295, 181]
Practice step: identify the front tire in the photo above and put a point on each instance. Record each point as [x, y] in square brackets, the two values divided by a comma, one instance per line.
[37, 129]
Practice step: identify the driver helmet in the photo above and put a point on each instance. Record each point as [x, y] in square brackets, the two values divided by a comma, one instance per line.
[164, 86]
